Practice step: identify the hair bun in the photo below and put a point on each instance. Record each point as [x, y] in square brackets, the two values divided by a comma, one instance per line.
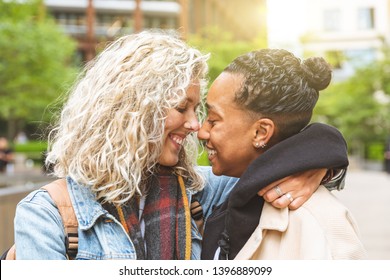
[317, 72]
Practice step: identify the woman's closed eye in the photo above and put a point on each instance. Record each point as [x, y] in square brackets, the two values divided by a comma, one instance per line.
[181, 109]
[211, 122]
[182, 106]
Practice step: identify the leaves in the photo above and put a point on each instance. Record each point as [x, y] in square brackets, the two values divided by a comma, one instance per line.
[35, 61]
[353, 107]
[222, 48]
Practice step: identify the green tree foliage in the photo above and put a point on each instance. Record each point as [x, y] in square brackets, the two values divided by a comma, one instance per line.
[35, 62]
[359, 106]
[222, 47]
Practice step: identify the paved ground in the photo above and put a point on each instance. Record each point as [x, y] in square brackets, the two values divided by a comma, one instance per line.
[367, 195]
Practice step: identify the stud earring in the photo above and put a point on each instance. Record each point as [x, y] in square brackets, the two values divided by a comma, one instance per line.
[257, 145]
[263, 145]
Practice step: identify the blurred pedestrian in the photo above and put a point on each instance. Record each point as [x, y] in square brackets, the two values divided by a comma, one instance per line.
[21, 138]
[6, 154]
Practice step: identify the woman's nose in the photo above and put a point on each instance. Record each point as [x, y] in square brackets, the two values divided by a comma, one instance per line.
[192, 124]
[203, 133]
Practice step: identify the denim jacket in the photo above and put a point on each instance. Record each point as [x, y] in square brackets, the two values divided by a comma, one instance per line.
[39, 232]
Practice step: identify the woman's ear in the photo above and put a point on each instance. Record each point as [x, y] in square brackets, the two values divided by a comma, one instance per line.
[263, 130]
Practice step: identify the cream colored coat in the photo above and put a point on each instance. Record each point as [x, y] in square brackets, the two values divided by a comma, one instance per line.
[321, 229]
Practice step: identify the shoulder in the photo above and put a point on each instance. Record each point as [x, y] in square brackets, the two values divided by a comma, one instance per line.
[323, 212]
[38, 226]
[39, 208]
[330, 214]
[37, 204]
[40, 205]
[214, 181]
[337, 224]
[323, 204]
[38, 197]
[215, 185]
[216, 189]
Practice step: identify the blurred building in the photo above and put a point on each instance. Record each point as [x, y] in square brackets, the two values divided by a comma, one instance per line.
[349, 33]
[245, 19]
[94, 21]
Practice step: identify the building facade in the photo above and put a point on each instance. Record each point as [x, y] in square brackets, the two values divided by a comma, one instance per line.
[349, 33]
[93, 21]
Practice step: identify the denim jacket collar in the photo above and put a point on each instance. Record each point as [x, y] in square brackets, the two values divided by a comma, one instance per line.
[86, 208]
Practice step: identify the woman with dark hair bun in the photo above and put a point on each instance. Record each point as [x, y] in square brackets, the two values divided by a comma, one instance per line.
[267, 98]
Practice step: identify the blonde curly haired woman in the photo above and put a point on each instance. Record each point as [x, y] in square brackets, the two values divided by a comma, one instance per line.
[125, 144]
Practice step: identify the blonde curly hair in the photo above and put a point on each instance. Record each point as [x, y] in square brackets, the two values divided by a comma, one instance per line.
[110, 132]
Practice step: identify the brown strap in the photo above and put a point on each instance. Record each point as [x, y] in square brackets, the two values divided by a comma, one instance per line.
[60, 195]
[58, 191]
[197, 215]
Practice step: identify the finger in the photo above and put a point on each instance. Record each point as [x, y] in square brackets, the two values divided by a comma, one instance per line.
[284, 202]
[271, 186]
[278, 191]
[295, 188]
[298, 202]
[273, 194]
[281, 202]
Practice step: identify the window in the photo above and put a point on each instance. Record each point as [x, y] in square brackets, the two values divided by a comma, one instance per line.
[360, 57]
[332, 19]
[366, 18]
[160, 22]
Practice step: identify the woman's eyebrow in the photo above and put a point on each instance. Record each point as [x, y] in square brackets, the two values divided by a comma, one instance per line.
[211, 108]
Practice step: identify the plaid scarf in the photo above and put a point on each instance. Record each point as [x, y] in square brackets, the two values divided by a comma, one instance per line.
[167, 220]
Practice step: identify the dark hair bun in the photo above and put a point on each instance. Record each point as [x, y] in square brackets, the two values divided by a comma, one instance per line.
[317, 72]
